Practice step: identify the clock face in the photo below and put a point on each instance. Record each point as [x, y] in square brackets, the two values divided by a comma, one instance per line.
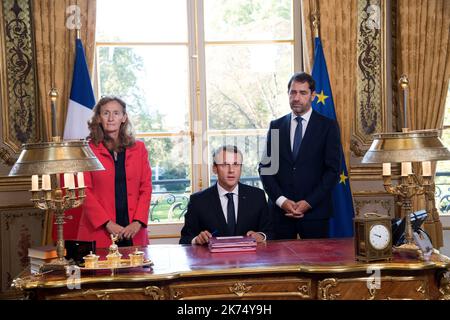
[379, 236]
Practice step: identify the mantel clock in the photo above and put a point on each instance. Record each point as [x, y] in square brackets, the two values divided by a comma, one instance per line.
[373, 237]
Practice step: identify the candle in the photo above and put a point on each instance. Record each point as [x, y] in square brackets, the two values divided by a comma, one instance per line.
[34, 182]
[386, 169]
[426, 169]
[46, 184]
[71, 184]
[66, 180]
[69, 180]
[406, 169]
[80, 178]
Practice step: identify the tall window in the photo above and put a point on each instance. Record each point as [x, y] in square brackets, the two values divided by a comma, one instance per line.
[195, 75]
[443, 168]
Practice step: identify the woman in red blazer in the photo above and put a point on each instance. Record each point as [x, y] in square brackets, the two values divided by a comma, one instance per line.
[118, 198]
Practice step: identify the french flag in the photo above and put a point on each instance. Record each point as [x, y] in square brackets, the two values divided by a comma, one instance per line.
[79, 111]
[82, 99]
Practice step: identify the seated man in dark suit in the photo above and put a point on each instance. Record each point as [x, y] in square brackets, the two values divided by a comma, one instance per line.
[229, 208]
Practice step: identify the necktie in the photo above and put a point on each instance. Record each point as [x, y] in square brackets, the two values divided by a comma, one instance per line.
[231, 218]
[297, 136]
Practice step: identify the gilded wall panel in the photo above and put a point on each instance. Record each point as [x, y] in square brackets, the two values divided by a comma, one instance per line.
[371, 74]
[20, 112]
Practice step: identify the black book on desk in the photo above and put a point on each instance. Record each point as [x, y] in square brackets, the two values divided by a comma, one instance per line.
[76, 249]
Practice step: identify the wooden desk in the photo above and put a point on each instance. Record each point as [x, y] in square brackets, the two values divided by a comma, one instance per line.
[300, 269]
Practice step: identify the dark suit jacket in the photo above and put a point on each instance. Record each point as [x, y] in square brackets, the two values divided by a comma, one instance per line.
[205, 212]
[312, 175]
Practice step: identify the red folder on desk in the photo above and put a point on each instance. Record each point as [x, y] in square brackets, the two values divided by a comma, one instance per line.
[232, 244]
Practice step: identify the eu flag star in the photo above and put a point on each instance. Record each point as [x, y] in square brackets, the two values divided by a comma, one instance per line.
[321, 97]
[343, 177]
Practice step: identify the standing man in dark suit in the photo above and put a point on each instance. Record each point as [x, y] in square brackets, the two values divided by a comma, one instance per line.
[229, 208]
[301, 165]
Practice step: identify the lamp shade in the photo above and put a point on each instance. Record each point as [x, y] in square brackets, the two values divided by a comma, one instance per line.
[55, 157]
[411, 146]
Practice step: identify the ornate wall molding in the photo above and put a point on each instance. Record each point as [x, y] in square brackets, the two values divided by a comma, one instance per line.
[375, 205]
[370, 113]
[356, 148]
[8, 184]
[6, 157]
[19, 105]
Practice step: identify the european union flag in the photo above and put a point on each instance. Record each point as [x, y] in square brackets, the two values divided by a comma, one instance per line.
[341, 225]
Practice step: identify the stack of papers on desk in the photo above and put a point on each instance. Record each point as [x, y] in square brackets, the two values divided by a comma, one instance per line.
[232, 244]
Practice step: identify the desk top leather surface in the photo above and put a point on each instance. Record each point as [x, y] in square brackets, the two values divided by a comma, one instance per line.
[308, 252]
[318, 255]
[293, 256]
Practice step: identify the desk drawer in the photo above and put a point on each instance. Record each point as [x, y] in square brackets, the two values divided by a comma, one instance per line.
[365, 288]
[125, 293]
[240, 288]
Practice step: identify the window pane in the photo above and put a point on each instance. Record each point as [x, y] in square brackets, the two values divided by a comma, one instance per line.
[171, 177]
[145, 78]
[142, 20]
[442, 180]
[251, 148]
[248, 19]
[247, 85]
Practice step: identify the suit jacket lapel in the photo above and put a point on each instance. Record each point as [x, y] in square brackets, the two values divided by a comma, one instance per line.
[102, 150]
[285, 135]
[309, 134]
[216, 208]
[242, 207]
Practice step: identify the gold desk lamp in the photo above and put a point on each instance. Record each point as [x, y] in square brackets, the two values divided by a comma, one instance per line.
[49, 160]
[405, 147]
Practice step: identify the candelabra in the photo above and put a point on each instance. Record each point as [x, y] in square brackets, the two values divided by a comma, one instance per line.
[406, 147]
[433, 225]
[51, 160]
[408, 187]
[419, 146]
[58, 199]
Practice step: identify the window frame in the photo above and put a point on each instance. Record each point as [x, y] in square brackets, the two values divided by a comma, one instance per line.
[198, 116]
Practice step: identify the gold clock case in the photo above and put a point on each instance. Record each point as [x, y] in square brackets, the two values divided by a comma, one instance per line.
[364, 251]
